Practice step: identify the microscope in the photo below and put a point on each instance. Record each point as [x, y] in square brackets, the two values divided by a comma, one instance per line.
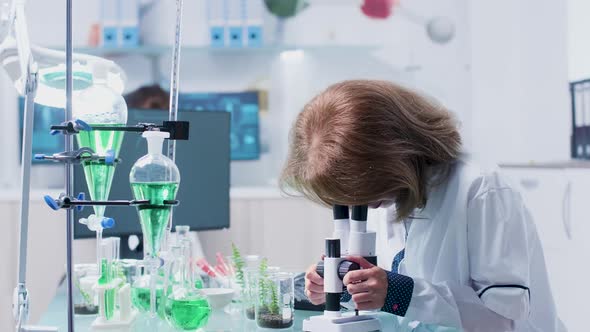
[349, 238]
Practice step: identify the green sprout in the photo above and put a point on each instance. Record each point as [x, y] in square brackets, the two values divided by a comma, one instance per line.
[239, 265]
[267, 288]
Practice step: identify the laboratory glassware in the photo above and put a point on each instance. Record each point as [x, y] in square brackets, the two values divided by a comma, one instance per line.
[186, 307]
[275, 300]
[155, 178]
[99, 106]
[84, 278]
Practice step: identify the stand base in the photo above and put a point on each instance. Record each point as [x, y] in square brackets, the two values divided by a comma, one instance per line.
[115, 323]
[325, 323]
[39, 329]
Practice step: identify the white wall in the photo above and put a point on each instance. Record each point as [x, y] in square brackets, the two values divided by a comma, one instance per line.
[520, 97]
[578, 33]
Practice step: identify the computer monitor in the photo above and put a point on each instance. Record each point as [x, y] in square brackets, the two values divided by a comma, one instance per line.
[203, 162]
[244, 108]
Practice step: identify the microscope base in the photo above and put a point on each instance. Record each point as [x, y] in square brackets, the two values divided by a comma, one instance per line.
[326, 323]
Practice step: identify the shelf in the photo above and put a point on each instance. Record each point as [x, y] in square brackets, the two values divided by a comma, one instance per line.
[156, 51]
[566, 164]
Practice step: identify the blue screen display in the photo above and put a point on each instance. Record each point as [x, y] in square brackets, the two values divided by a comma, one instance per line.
[244, 109]
[43, 141]
[243, 106]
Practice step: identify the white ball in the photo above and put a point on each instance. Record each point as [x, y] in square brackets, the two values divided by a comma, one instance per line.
[440, 30]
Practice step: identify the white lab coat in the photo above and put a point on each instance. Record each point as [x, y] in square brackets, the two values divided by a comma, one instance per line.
[474, 235]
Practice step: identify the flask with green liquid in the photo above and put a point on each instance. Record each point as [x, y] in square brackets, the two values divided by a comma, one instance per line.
[185, 306]
[155, 178]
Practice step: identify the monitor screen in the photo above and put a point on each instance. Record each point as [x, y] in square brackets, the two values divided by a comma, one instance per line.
[203, 162]
[244, 110]
[44, 118]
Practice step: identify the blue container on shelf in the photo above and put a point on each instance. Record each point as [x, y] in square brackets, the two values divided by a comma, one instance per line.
[236, 36]
[254, 36]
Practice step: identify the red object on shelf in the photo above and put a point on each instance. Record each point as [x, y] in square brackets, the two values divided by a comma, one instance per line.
[379, 9]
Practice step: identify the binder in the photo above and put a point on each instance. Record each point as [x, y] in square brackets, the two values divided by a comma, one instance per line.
[235, 10]
[579, 121]
[216, 12]
[253, 19]
[110, 22]
[129, 23]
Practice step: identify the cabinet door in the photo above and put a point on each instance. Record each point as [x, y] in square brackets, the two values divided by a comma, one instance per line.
[550, 197]
[574, 301]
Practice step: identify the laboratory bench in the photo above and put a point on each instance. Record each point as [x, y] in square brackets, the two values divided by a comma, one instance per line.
[219, 320]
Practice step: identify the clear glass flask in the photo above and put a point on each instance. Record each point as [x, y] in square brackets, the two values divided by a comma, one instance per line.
[155, 178]
[186, 307]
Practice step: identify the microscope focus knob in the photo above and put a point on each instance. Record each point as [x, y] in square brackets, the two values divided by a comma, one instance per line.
[319, 268]
[343, 268]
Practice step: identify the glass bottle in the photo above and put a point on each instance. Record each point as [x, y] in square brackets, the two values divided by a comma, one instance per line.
[155, 178]
[186, 307]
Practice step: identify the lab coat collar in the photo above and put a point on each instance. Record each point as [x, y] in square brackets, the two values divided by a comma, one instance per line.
[434, 200]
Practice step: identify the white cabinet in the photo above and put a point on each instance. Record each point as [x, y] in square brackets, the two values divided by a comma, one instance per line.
[557, 201]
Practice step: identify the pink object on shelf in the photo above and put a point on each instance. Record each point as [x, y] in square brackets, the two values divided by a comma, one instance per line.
[379, 9]
[205, 267]
[222, 264]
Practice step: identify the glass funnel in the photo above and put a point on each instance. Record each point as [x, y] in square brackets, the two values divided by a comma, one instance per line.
[155, 178]
[100, 106]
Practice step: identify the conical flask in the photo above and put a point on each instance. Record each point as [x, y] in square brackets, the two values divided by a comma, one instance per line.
[154, 177]
[99, 106]
[186, 307]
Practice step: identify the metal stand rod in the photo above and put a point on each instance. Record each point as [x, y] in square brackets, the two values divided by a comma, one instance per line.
[174, 86]
[69, 170]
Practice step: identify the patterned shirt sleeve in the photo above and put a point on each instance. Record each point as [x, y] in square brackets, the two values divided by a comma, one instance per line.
[399, 294]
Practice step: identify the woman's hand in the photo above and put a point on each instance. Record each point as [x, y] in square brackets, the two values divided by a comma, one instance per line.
[314, 286]
[368, 286]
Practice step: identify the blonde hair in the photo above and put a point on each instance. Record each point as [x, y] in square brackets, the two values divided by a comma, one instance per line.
[362, 141]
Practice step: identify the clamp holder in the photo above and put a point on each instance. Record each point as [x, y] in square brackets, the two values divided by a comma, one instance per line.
[179, 130]
[70, 128]
[79, 156]
[66, 202]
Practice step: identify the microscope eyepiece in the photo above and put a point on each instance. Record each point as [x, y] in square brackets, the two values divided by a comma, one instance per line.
[340, 212]
[333, 248]
[359, 212]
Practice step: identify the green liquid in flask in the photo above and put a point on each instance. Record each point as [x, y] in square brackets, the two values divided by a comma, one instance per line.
[140, 298]
[188, 314]
[154, 216]
[99, 176]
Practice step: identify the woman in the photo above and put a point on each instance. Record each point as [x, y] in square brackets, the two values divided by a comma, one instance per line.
[472, 259]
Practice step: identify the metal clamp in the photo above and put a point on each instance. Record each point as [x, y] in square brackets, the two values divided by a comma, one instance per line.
[65, 202]
[179, 130]
[79, 156]
[70, 128]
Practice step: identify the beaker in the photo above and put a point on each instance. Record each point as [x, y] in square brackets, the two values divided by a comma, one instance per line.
[85, 301]
[275, 300]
